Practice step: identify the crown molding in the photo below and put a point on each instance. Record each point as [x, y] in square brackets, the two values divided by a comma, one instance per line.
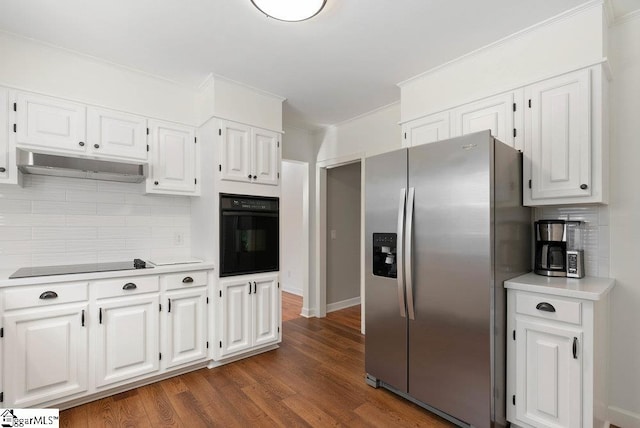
[212, 77]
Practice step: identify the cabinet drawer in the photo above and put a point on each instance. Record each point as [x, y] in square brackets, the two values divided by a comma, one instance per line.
[551, 308]
[185, 279]
[125, 286]
[45, 295]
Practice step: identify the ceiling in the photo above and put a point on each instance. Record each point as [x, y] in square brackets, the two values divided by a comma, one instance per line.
[344, 62]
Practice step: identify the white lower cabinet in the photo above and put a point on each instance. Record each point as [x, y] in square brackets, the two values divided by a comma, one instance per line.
[250, 313]
[45, 354]
[127, 338]
[186, 326]
[556, 360]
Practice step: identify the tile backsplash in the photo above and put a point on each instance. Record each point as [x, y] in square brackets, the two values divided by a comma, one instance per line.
[53, 220]
[595, 232]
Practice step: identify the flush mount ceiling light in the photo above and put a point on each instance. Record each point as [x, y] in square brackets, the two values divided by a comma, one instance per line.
[289, 10]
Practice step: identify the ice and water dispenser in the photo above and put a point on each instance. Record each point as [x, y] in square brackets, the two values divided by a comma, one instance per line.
[384, 255]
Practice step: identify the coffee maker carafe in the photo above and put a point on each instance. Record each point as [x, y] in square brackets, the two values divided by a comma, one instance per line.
[551, 248]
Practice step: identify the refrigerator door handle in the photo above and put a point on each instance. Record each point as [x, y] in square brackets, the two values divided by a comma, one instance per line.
[400, 252]
[408, 242]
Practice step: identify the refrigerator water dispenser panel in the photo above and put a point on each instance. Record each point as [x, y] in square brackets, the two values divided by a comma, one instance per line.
[384, 255]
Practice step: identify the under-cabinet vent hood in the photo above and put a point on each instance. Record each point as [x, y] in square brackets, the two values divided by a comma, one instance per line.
[63, 166]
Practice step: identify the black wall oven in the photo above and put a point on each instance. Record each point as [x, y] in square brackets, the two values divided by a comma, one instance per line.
[249, 234]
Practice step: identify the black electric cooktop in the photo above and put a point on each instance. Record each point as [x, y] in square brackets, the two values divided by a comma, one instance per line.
[29, 272]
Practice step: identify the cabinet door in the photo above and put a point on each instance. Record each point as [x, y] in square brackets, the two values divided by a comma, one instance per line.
[127, 338]
[115, 134]
[235, 152]
[265, 157]
[549, 375]
[236, 316]
[426, 130]
[266, 311]
[45, 355]
[174, 162]
[4, 134]
[559, 136]
[186, 326]
[50, 123]
[495, 113]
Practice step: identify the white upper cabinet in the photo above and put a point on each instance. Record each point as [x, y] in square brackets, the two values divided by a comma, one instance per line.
[265, 156]
[174, 159]
[50, 123]
[248, 154]
[560, 139]
[236, 152]
[5, 168]
[498, 114]
[426, 130]
[115, 134]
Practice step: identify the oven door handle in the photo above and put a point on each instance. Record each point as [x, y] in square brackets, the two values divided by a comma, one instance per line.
[250, 214]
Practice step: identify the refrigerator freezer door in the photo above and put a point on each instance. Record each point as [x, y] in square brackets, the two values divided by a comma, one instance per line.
[450, 340]
[385, 327]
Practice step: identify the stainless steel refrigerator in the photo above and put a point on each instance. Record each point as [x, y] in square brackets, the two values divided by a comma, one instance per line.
[445, 226]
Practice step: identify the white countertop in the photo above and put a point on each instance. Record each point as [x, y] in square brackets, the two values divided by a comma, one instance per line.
[157, 270]
[588, 288]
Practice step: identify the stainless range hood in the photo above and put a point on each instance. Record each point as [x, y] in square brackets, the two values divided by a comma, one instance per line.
[63, 166]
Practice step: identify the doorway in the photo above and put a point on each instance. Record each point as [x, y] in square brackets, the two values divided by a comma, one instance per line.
[294, 248]
[343, 237]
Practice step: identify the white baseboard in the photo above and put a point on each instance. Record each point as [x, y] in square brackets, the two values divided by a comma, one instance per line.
[623, 418]
[296, 291]
[343, 304]
[308, 313]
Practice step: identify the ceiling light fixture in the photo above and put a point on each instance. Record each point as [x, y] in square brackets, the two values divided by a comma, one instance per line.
[289, 10]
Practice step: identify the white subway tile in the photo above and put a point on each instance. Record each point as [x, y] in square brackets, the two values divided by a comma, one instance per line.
[124, 232]
[114, 186]
[94, 220]
[12, 233]
[94, 245]
[66, 233]
[63, 259]
[122, 209]
[603, 242]
[143, 244]
[15, 206]
[15, 261]
[31, 220]
[177, 253]
[170, 210]
[60, 183]
[177, 221]
[105, 197]
[122, 255]
[603, 215]
[603, 267]
[31, 247]
[76, 208]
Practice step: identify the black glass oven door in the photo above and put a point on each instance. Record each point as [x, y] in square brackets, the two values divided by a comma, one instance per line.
[249, 242]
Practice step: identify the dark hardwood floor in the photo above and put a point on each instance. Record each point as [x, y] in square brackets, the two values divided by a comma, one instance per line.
[315, 378]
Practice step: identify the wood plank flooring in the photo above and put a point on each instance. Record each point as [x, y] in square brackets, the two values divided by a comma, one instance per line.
[315, 378]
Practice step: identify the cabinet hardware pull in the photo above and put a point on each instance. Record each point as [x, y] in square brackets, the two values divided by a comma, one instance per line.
[82, 318]
[584, 186]
[544, 306]
[255, 290]
[249, 176]
[255, 177]
[2, 169]
[129, 286]
[169, 310]
[81, 144]
[249, 287]
[187, 280]
[100, 315]
[96, 146]
[155, 182]
[49, 295]
[575, 348]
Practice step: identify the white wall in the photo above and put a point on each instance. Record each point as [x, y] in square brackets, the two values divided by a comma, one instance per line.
[371, 134]
[625, 224]
[55, 220]
[40, 68]
[291, 213]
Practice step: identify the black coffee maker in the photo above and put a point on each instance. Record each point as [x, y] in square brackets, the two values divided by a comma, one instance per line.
[551, 247]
